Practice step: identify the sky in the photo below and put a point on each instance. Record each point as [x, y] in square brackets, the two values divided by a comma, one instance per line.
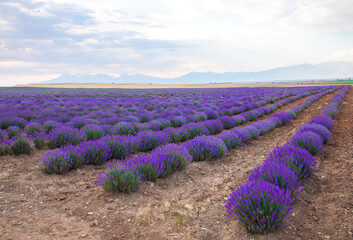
[42, 39]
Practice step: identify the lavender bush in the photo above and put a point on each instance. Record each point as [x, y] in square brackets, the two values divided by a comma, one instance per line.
[93, 132]
[21, 146]
[300, 161]
[64, 135]
[260, 206]
[319, 129]
[95, 152]
[278, 174]
[120, 146]
[309, 141]
[323, 120]
[13, 131]
[56, 161]
[174, 157]
[231, 139]
[117, 178]
[205, 148]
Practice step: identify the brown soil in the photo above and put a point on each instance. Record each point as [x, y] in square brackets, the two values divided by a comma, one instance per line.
[187, 205]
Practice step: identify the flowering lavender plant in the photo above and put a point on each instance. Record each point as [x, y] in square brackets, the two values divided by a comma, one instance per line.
[147, 167]
[278, 174]
[20, 146]
[117, 178]
[125, 128]
[308, 140]
[260, 206]
[196, 129]
[39, 140]
[318, 129]
[205, 148]
[323, 120]
[95, 152]
[6, 122]
[231, 139]
[64, 135]
[283, 117]
[228, 122]
[300, 161]
[93, 132]
[5, 146]
[148, 140]
[213, 126]
[56, 161]
[13, 131]
[174, 157]
[3, 134]
[50, 125]
[252, 131]
[33, 127]
[178, 121]
[120, 146]
[77, 154]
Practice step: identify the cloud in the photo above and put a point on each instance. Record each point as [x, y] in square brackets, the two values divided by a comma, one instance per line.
[170, 38]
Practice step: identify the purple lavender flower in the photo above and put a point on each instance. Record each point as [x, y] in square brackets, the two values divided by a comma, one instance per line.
[239, 119]
[196, 129]
[283, 117]
[211, 115]
[278, 174]
[174, 157]
[33, 127]
[205, 148]
[260, 206]
[318, 129]
[117, 178]
[77, 154]
[213, 126]
[3, 134]
[300, 161]
[64, 135]
[95, 152]
[148, 140]
[147, 167]
[323, 120]
[228, 122]
[231, 139]
[178, 121]
[251, 131]
[50, 125]
[13, 131]
[308, 140]
[6, 122]
[56, 161]
[92, 132]
[120, 146]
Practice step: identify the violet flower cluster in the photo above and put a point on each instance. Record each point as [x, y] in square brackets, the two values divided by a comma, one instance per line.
[264, 202]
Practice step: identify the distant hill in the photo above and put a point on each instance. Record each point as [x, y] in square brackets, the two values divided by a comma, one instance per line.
[328, 70]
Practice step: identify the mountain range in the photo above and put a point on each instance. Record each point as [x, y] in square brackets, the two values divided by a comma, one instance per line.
[327, 70]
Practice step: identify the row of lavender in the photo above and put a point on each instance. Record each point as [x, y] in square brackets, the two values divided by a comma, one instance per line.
[12, 137]
[140, 106]
[56, 135]
[39, 133]
[119, 147]
[124, 176]
[264, 203]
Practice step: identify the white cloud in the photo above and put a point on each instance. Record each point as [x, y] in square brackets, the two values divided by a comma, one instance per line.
[170, 38]
[344, 55]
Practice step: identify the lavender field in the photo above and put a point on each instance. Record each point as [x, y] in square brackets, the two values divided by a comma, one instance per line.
[133, 151]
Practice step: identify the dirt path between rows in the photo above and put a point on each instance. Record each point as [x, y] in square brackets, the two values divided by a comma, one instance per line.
[187, 205]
